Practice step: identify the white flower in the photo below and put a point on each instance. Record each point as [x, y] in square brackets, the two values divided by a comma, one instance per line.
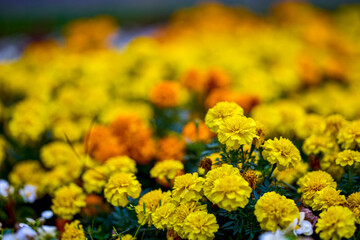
[26, 233]
[278, 235]
[28, 193]
[5, 188]
[47, 214]
[46, 232]
[9, 236]
[300, 226]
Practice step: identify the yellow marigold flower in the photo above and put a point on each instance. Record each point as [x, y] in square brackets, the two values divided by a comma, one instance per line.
[200, 225]
[2, 149]
[335, 223]
[236, 131]
[349, 135]
[216, 115]
[95, 179]
[56, 153]
[27, 172]
[163, 216]
[290, 175]
[151, 200]
[73, 231]
[326, 198]
[310, 124]
[187, 188]
[274, 211]
[166, 169]
[181, 213]
[68, 201]
[251, 177]
[126, 237]
[353, 201]
[316, 144]
[119, 187]
[225, 187]
[121, 164]
[313, 182]
[347, 157]
[334, 123]
[281, 152]
[260, 132]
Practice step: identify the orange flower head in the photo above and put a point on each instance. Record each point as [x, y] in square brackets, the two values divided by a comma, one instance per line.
[171, 147]
[197, 132]
[165, 94]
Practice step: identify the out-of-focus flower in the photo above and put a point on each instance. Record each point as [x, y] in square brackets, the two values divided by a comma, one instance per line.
[47, 214]
[171, 147]
[165, 94]
[5, 188]
[68, 201]
[28, 193]
[349, 135]
[197, 132]
[167, 170]
[300, 226]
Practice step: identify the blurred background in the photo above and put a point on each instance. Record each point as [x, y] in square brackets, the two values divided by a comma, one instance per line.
[42, 16]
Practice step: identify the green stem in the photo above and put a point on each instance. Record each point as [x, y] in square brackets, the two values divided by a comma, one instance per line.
[137, 230]
[271, 173]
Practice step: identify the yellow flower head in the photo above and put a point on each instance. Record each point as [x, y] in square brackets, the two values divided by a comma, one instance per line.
[349, 135]
[274, 211]
[353, 201]
[216, 115]
[187, 188]
[73, 231]
[126, 237]
[163, 216]
[200, 225]
[281, 152]
[121, 164]
[181, 214]
[290, 175]
[316, 144]
[225, 187]
[57, 153]
[334, 123]
[260, 132]
[251, 177]
[166, 169]
[26, 172]
[336, 222]
[68, 201]
[313, 182]
[95, 179]
[326, 198]
[119, 187]
[151, 200]
[236, 131]
[347, 157]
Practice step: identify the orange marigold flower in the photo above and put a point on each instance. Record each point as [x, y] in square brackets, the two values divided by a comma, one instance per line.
[165, 94]
[171, 147]
[197, 132]
[101, 144]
